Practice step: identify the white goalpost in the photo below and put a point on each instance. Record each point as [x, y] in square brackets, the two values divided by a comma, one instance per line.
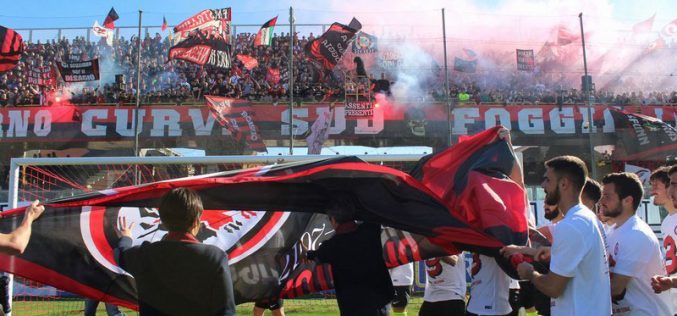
[50, 178]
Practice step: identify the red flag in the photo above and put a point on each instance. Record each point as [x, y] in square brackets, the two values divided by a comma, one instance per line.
[164, 23]
[248, 61]
[644, 26]
[273, 75]
[657, 44]
[238, 117]
[110, 19]
[670, 29]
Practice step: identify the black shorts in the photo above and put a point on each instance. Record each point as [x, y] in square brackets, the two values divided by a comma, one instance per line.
[442, 308]
[401, 298]
[271, 304]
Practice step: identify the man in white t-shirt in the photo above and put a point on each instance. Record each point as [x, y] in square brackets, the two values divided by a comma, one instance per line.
[660, 182]
[578, 281]
[445, 286]
[490, 288]
[662, 282]
[634, 251]
[403, 278]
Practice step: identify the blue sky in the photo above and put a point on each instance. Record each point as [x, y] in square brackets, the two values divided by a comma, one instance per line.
[75, 13]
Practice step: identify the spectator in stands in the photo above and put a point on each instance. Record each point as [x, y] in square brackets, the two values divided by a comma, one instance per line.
[15, 242]
[197, 282]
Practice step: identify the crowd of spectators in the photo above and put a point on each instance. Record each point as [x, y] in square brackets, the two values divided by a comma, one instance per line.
[180, 82]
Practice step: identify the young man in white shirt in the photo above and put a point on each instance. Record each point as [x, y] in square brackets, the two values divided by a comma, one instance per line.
[578, 281]
[403, 278]
[445, 286]
[660, 182]
[662, 282]
[634, 251]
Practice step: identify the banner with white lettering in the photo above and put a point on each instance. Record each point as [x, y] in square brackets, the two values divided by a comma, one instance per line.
[531, 125]
[525, 59]
[643, 137]
[86, 70]
[41, 76]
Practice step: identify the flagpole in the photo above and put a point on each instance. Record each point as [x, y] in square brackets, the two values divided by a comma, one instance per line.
[138, 100]
[138, 90]
[586, 91]
[446, 79]
[290, 71]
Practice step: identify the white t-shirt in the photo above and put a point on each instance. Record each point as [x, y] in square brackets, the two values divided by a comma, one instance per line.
[579, 252]
[634, 251]
[490, 288]
[445, 282]
[403, 275]
[669, 230]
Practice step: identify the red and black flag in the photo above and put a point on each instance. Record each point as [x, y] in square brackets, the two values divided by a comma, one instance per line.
[467, 62]
[72, 243]
[328, 48]
[164, 23]
[203, 39]
[641, 137]
[238, 117]
[109, 21]
[248, 62]
[11, 49]
[265, 35]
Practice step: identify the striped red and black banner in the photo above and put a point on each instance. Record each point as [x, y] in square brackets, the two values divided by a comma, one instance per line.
[11, 48]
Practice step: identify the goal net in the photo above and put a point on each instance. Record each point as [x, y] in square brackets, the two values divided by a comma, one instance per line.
[46, 179]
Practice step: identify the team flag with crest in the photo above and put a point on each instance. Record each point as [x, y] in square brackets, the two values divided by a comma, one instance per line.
[72, 243]
[641, 137]
[265, 35]
[11, 49]
[365, 44]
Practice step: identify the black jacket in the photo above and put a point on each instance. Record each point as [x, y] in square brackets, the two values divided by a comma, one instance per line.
[178, 277]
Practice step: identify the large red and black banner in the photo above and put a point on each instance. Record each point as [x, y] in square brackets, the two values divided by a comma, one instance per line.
[78, 71]
[531, 125]
[203, 39]
[72, 243]
[642, 137]
[11, 48]
[327, 49]
[41, 76]
[238, 117]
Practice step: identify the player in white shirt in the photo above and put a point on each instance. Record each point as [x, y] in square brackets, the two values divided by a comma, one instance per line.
[578, 281]
[403, 278]
[490, 288]
[634, 251]
[445, 286]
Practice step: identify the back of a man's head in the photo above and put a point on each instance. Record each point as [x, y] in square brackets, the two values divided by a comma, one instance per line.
[180, 209]
[570, 167]
[672, 170]
[592, 192]
[626, 184]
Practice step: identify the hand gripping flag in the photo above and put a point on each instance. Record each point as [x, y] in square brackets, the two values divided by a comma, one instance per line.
[11, 48]
[109, 21]
[264, 247]
[265, 35]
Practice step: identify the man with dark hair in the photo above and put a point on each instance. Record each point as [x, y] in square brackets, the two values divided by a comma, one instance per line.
[592, 192]
[177, 275]
[661, 282]
[578, 281]
[660, 183]
[634, 251]
[361, 279]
